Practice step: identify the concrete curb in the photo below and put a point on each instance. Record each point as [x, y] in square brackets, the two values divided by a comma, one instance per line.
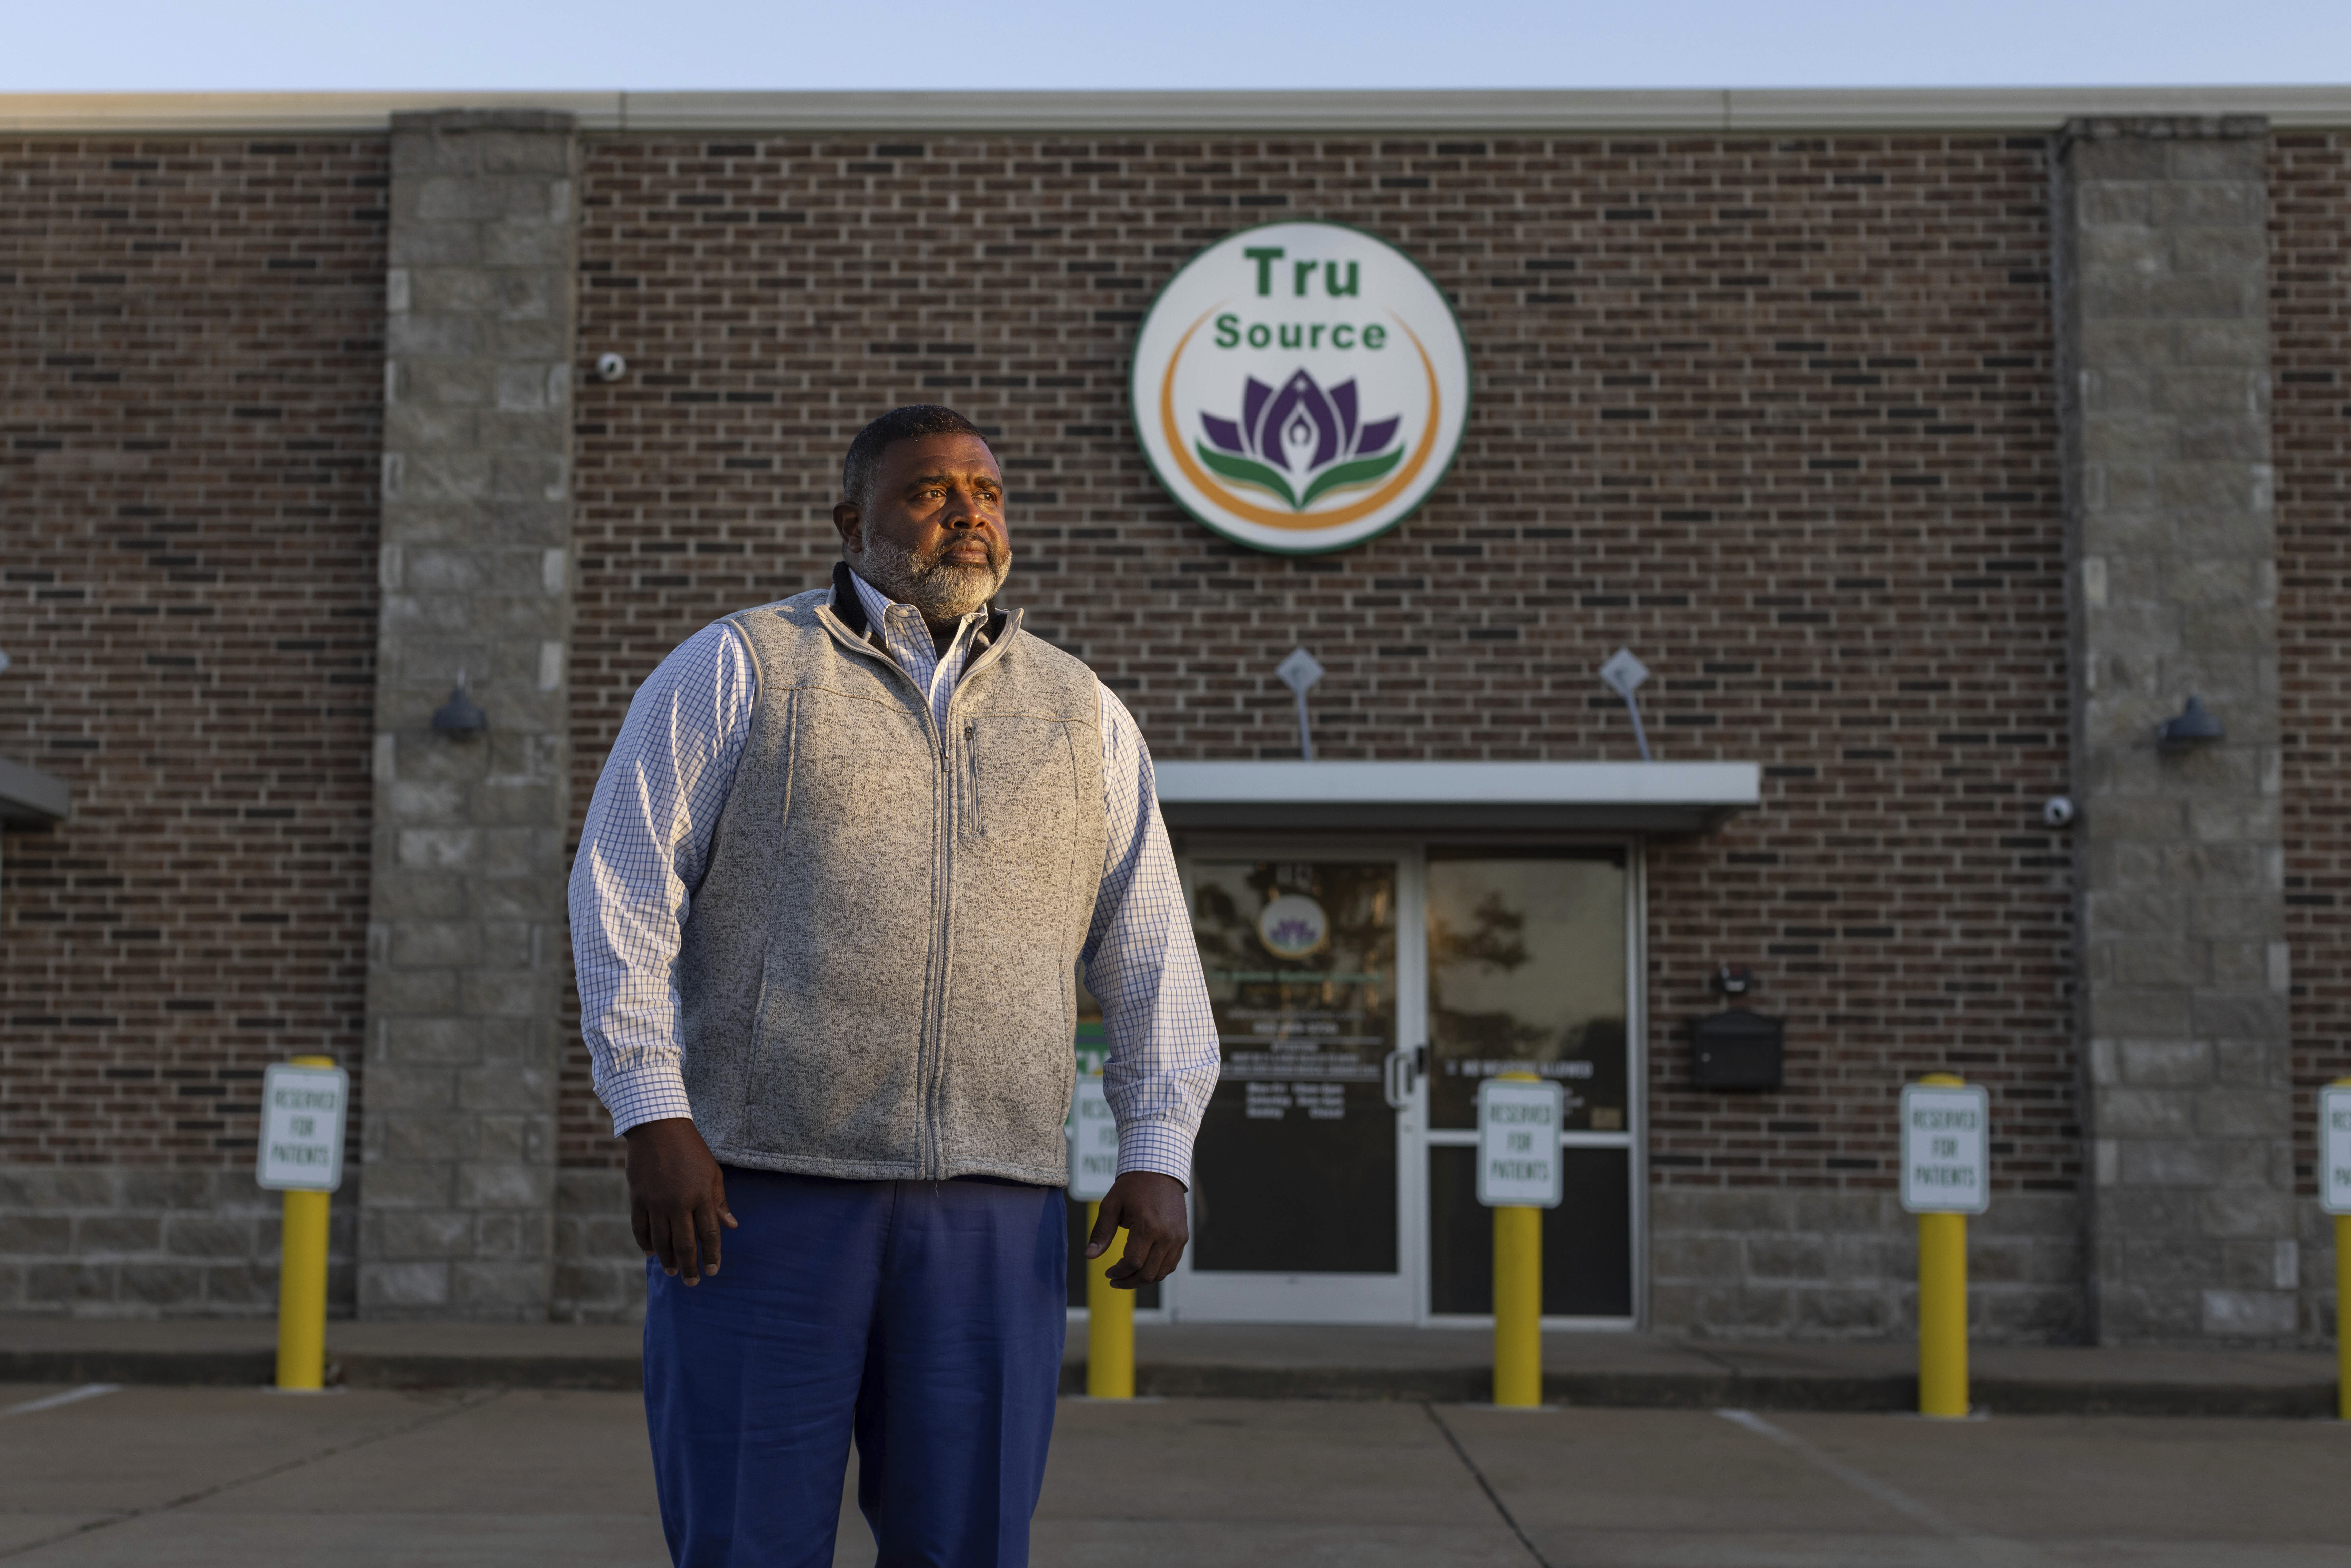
[194, 1369]
[1181, 1380]
[2296, 1401]
[231, 1369]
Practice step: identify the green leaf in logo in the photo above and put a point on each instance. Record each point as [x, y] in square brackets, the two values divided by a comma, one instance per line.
[1247, 471]
[1362, 471]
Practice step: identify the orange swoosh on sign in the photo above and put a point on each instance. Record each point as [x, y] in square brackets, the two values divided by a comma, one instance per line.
[1296, 520]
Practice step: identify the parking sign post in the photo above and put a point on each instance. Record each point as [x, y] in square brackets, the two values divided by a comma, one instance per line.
[1519, 1177]
[1110, 1313]
[303, 1104]
[1945, 1176]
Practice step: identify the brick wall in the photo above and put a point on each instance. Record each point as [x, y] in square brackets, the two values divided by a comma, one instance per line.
[1778, 414]
[2310, 326]
[190, 383]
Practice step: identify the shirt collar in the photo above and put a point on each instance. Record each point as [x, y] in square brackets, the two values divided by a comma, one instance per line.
[877, 606]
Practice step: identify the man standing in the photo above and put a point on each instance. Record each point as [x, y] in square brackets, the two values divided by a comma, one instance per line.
[838, 877]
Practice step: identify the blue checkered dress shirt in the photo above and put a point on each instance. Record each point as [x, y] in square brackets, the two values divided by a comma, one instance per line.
[647, 843]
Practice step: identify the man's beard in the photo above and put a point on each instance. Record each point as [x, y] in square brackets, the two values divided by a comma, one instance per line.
[941, 588]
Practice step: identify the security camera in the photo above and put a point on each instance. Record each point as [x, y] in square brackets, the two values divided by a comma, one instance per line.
[2057, 810]
[611, 367]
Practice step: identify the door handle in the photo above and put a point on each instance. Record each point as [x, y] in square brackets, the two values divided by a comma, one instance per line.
[1396, 1076]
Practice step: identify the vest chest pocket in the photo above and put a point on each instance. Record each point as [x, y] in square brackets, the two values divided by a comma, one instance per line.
[1020, 778]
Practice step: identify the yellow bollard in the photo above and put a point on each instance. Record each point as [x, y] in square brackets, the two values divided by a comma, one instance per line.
[2343, 1334]
[1942, 1314]
[2342, 1317]
[2342, 1265]
[302, 1283]
[1943, 1303]
[1518, 1307]
[1110, 1322]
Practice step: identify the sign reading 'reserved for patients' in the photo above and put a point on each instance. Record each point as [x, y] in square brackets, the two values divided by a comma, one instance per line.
[1946, 1149]
[2335, 1148]
[1093, 1141]
[302, 1128]
[1517, 1144]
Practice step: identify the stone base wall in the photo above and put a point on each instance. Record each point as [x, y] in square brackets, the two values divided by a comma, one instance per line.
[1760, 1264]
[599, 1275]
[2318, 1314]
[146, 1241]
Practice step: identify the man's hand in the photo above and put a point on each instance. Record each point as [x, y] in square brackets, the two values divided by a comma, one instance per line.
[1150, 1206]
[678, 1197]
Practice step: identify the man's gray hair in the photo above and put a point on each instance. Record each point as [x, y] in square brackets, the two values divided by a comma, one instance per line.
[899, 424]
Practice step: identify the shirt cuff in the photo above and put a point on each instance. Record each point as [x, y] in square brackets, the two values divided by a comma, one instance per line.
[1155, 1146]
[652, 1092]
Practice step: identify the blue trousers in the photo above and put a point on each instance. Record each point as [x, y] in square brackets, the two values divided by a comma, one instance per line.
[925, 1318]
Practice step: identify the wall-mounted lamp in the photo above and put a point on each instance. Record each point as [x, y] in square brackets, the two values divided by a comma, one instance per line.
[2194, 726]
[1299, 672]
[461, 718]
[1623, 674]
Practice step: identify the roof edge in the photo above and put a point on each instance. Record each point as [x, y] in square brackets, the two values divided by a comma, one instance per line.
[1530, 113]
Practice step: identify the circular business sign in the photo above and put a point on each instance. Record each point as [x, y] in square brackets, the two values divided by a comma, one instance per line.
[1300, 387]
[1293, 927]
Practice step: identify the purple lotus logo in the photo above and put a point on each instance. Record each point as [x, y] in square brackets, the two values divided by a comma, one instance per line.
[1300, 443]
[1293, 927]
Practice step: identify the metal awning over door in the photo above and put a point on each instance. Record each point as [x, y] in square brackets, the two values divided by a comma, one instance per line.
[1510, 797]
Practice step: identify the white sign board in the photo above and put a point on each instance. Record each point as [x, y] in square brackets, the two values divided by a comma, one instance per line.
[302, 1113]
[1300, 387]
[1093, 1142]
[2335, 1148]
[1946, 1149]
[1517, 1144]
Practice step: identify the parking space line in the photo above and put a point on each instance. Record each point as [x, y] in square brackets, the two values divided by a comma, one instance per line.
[1487, 1487]
[1988, 1548]
[70, 1397]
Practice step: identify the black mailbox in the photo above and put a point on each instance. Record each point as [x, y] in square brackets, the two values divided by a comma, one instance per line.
[1736, 1049]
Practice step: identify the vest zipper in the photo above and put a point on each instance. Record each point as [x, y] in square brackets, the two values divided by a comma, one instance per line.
[934, 1066]
[934, 1075]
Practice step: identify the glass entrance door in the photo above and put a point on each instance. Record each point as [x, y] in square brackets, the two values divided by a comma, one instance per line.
[1528, 973]
[1295, 1197]
[1359, 998]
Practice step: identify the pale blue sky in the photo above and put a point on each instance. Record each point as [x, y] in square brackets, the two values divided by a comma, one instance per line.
[84, 46]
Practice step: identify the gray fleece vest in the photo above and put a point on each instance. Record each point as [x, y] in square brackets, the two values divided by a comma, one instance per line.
[878, 971]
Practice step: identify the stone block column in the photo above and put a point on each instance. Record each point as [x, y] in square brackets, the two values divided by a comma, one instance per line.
[466, 934]
[2162, 291]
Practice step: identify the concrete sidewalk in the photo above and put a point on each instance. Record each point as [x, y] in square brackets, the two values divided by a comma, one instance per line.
[1250, 1362]
[232, 1477]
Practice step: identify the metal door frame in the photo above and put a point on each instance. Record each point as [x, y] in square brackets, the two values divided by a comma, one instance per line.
[1633, 1139]
[1199, 1297]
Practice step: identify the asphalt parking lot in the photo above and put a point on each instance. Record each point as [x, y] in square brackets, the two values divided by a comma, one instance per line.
[198, 1477]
